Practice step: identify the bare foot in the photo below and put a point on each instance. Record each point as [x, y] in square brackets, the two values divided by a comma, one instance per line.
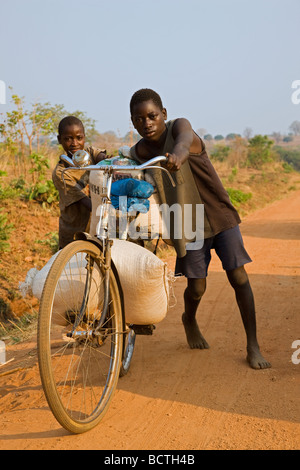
[193, 334]
[256, 360]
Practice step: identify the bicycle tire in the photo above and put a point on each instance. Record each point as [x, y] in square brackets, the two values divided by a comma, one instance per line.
[79, 374]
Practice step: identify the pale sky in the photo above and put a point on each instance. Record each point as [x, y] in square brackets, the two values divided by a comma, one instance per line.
[223, 64]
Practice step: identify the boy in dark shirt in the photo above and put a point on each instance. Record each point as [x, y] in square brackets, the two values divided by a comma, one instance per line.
[197, 182]
[75, 204]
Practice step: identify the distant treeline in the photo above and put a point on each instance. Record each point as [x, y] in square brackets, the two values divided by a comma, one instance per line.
[254, 153]
[27, 134]
[290, 156]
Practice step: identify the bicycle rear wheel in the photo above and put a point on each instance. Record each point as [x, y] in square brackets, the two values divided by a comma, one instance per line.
[79, 362]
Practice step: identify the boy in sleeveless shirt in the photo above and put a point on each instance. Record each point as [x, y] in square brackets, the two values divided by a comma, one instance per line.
[75, 204]
[198, 183]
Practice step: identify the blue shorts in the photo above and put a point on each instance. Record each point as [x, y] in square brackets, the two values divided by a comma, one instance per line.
[229, 247]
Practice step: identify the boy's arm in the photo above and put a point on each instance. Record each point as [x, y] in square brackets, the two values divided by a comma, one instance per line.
[183, 135]
[100, 156]
[97, 154]
[74, 190]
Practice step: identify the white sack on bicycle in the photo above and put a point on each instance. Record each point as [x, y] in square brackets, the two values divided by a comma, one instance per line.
[144, 280]
[68, 297]
[143, 276]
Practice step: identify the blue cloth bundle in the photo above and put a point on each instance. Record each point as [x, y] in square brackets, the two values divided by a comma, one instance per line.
[136, 191]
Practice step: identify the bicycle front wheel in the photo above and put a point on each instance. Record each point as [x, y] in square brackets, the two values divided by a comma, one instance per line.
[79, 359]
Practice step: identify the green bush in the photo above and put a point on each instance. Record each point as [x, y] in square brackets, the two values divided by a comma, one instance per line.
[237, 196]
[290, 156]
[40, 190]
[12, 190]
[43, 192]
[220, 153]
[287, 168]
[259, 151]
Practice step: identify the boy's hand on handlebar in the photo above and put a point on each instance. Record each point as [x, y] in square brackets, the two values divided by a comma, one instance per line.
[173, 163]
[102, 156]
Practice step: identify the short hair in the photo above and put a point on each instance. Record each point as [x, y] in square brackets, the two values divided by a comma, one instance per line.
[69, 121]
[145, 94]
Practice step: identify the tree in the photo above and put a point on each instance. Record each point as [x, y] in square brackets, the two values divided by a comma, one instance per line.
[46, 119]
[201, 132]
[238, 152]
[21, 131]
[248, 133]
[290, 156]
[259, 151]
[219, 137]
[22, 128]
[277, 137]
[131, 138]
[232, 136]
[295, 127]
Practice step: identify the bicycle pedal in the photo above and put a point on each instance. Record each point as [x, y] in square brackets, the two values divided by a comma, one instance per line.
[143, 329]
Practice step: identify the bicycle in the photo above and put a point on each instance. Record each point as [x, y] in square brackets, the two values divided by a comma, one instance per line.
[84, 343]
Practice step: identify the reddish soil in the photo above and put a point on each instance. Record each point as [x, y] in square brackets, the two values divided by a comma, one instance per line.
[175, 398]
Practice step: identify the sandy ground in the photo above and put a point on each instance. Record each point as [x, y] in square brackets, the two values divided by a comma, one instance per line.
[175, 398]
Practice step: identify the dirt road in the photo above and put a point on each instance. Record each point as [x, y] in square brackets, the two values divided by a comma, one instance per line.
[175, 398]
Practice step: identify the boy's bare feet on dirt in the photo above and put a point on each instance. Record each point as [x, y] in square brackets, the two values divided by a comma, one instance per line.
[193, 334]
[197, 341]
[256, 360]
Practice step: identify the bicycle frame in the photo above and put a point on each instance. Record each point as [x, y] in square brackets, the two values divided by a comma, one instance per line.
[102, 227]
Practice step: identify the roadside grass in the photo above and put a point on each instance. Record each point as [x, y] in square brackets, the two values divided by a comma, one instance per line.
[20, 329]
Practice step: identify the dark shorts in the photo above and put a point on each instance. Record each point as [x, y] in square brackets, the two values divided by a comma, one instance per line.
[229, 247]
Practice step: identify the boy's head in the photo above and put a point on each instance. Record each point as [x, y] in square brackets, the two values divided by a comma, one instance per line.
[71, 134]
[148, 114]
[145, 94]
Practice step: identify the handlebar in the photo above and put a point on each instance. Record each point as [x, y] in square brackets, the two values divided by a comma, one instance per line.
[150, 164]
